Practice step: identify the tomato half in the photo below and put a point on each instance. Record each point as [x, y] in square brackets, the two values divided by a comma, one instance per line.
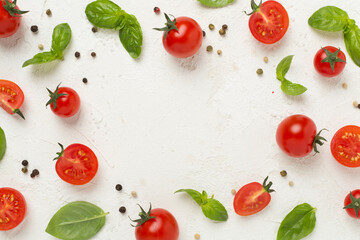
[156, 224]
[64, 102]
[12, 208]
[252, 198]
[352, 203]
[329, 61]
[77, 164]
[268, 22]
[11, 97]
[345, 146]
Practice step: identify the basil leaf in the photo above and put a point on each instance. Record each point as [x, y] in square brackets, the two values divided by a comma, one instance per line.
[352, 42]
[76, 221]
[292, 89]
[2, 144]
[215, 3]
[283, 67]
[131, 36]
[330, 19]
[299, 223]
[214, 210]
[193, 193]
[104, 14]
[41, 58]
[61, 38]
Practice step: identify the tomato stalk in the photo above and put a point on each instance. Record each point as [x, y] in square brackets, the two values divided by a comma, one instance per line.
[170, 25]
[267, 187]
[254, 7]
[54, 96]
[11, 8]
[332, 58]
[144, 217]
[59, 153]
[355, 204]
[319, 140]
[17, 111]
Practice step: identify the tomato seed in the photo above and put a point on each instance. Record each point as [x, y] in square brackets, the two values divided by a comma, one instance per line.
[77, 54]
[259, 71]
[25, 163]
[211, 26]
[118, 187]
[48, 12]
[156, 10]
[34, 29]
[197, 236]
[24, 170]
[283, 173]
[122, 209]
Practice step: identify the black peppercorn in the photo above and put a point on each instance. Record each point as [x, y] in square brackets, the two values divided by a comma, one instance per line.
[204, 33]
[156, 10]
[35, 172]
[225, 27]
[34, 28]
[359, 106]
[85, 80]
[94, 29]
[93, 54]
[25, 163]
[77, 54]
[32, 175]
[118, 187]
[122, 209]
[24, 170]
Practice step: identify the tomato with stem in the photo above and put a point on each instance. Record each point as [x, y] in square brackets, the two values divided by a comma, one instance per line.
[12, 208]
[269, 21]
[11, 97]
[10, 18]
[64, 101]
[352, 203]
[329, 61]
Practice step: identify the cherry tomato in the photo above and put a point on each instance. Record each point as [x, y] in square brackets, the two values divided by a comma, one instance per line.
[10, 18]
[64, 102]
[345, 146]
[296, 136]
[77, 164]
[252, 198]
[352, 203]
[329, 61]
[156, 224]
[269, 21]
[12, 208]
[183, 36]
[11, 97]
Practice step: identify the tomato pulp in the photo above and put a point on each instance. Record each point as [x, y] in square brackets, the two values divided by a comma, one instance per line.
[12, 208]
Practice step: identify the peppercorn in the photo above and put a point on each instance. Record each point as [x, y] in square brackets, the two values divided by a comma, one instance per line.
[94, 29]
[41, 47]
[283, 173]
[266, 59]
[219, 52]
[118, 187]
[34, 28]
[259, 71]
[355, 104]
[24, 170]
[85, 80]
[225, 27]
[93, 54]
[197, 236]
[122, 209]
[204, 33]
[233, 191]
[156, 10]
[134, 194]
[77, 54]
[32, 175]
[35, 172]
[48, 12]
[344, 85]
[291, 183]
[25, 163]
[211, 26]
[222, 32]
[359, 106]
[209, 48]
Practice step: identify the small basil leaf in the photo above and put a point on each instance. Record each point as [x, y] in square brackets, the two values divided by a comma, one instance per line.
[193, 193]
[61, 38]
[330, 19]
[352, 42]
[283, 67]
[131, 36]
[104, 14]
[2, 144]
[292, 89]
[214, 210]
[299, 223]
[215, 3]
[41, 58]
[76, 221]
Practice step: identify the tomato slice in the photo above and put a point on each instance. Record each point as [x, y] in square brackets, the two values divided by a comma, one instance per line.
[269, 22]
[77, 164]
[12, 208]
[345, 146]
[11, 97]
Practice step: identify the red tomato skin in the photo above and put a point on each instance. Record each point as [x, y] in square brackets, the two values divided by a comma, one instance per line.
[250, 199]
[345, 148]
[163, 227]
[295, 135]
[185, 42]
[9, 25]
[324, 69]
[71, 159]
[12, 101]
[21, 204]
[267, 10]
[68, 105]
[347, 201]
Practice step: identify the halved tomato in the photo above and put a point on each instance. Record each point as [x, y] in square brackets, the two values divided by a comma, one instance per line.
[345, 146]
[12, 208]
[11, 97]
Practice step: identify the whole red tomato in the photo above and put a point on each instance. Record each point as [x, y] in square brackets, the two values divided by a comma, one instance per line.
[10, 18]
[182, 37]
[329, 61]
[352, 203]
[64, 102]
[12, 208]
[296, 136]
[156, 224]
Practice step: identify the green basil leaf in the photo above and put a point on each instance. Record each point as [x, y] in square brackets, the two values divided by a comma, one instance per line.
[2, 144]
[61, 38]
[76, 221]
[214, 210]
[215, 3]
[283, 67]
[292, 89]
[330, 19]
[131, 36]
[42, 58]
[299, 223]
[193, 193]
[104, 14]
[352, 42]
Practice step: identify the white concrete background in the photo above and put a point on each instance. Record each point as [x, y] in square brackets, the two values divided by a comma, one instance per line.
[158, 124]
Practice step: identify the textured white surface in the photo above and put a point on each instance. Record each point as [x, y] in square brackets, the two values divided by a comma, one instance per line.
[158, 124]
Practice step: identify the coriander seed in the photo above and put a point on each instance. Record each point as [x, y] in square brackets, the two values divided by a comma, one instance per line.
[344, 85]
[283, 173]
[233, 191]
[209, 48]
[41, 47]
[48, 12]
[134, 194]
[291, 183]
[211, 26]
[197, 236]
[355, 104]
[266, 59]
[24, 170]
[222, 32]
[219, 52]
